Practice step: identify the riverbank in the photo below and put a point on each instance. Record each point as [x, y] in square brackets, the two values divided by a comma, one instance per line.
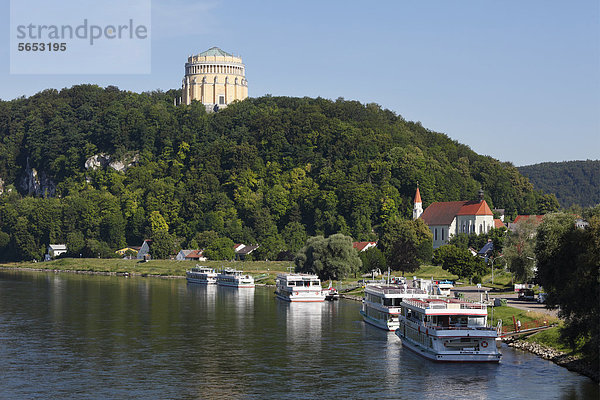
[166, 269]
[567, 360]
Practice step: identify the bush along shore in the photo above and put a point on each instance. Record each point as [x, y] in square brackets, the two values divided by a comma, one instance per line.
[572, 363]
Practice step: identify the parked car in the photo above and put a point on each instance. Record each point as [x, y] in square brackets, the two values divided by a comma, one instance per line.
[542, 297]
[526, 294]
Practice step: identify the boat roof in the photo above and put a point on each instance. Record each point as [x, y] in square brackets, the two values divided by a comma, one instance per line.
[232, 271]
[298, 276]
[392, 290]
[447, 306]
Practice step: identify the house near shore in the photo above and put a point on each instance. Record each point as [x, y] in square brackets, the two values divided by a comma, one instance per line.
[534, 219]
[242, 251]
[55, 250]
[363, 246]
[144, 252]
[128, 249]
[190, 255]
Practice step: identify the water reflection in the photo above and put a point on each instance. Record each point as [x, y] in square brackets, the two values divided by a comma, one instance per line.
[73, 336]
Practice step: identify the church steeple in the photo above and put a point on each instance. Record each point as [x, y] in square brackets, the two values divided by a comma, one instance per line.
[418, 206]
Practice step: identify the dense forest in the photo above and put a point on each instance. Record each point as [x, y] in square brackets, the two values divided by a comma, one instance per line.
[573, 182]
[99, 168]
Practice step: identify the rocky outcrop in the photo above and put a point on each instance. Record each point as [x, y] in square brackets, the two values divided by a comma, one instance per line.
[558, 357]
[97, 161]
[36, 184]
[105, 160]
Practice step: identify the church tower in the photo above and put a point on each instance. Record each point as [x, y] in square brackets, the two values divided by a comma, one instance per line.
[418, 207]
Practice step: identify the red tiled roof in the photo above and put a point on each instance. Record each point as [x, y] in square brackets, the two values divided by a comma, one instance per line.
[498, 223]
[418, 196]
[194, 254]
[359, 246]
[520, 218]
[442, 213]
[475, 208]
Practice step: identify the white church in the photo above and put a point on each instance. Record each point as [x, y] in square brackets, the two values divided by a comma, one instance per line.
[449, 218]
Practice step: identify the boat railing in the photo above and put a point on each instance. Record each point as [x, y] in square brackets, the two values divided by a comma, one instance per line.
[459, 327]
[401, 291]
[442, 305]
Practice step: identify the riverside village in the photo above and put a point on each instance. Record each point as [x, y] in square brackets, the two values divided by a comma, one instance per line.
[216, 245]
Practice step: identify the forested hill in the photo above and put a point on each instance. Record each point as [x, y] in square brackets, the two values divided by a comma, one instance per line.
[573, 182]
[100, 168]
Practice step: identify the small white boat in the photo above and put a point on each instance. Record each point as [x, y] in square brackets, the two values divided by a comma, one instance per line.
[447, 330]
[235, 278]
[331, 293]
[299, 288]
[202, 275]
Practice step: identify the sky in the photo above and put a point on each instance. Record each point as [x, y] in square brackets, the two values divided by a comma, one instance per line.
[518, 80]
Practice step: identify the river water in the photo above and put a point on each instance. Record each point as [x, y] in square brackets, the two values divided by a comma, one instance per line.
[71, 336]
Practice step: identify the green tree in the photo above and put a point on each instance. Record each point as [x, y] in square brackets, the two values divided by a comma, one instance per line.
[459, 261]
[568, 268]
[372, 258]
[220, 249]
[157, 222]
[294, 236]
[4, 241]
[25, 244]
[329, 258]
[519, 251]
[204, 239]
[75, 243]
[406, 244]
[163, 245]
[269, 248]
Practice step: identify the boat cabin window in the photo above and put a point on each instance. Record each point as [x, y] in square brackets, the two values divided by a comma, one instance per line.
[477, 321]
[314, 283]
[387, 302]
[291, 283]
[440, 320]
[458, 320]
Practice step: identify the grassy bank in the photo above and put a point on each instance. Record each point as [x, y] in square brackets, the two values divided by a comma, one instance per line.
[154, 267]
[506, 313]
[550, 338]
[178, 268]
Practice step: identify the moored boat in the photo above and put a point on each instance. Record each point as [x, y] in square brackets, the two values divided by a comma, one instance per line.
[299, 288]
[202, 275]
[235, 278]
[381, 304]
[447, 330]
[331, 293]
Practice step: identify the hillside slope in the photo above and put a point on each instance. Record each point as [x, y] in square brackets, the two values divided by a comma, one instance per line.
[573, 182]
[98, 168]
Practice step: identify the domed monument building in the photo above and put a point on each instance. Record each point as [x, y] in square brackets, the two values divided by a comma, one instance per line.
[215, 78]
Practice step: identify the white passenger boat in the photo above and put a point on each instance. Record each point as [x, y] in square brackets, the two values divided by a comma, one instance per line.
[381, 304]
[448, 330]
[299, 288]
[202, 275]
[235, 278]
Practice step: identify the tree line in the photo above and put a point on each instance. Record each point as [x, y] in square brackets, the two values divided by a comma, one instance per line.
[268, 170]
[575, 183]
